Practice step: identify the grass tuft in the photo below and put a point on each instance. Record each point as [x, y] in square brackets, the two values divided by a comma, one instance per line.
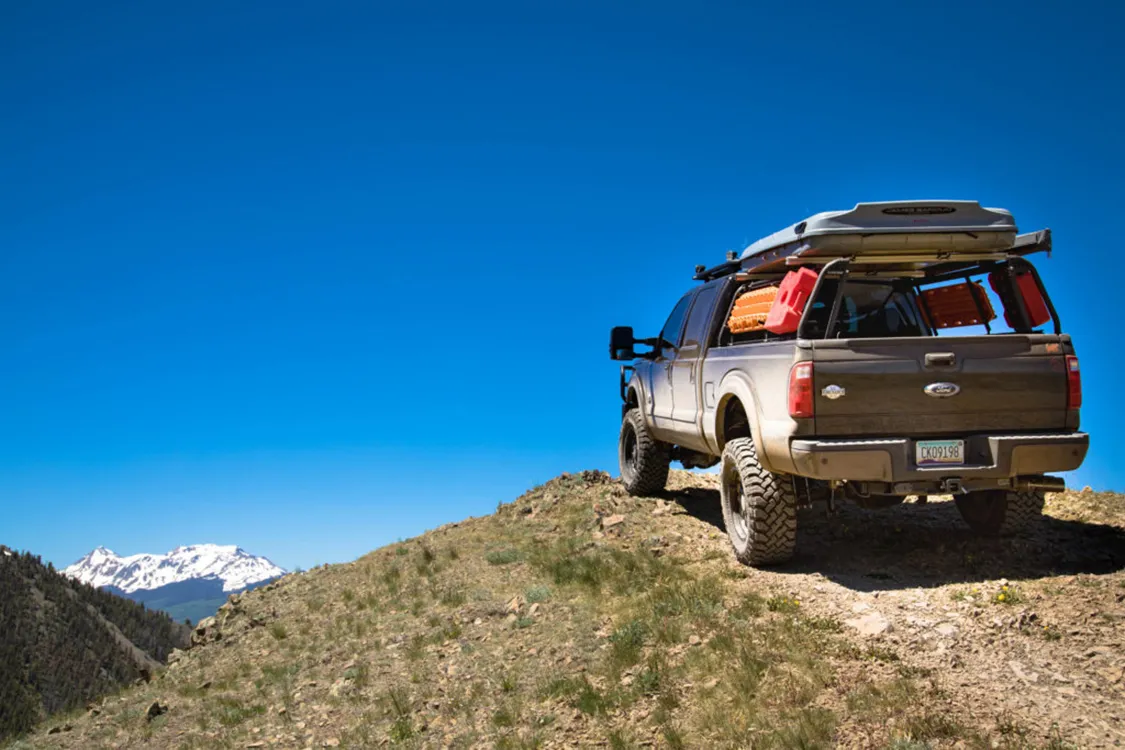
[538, 594]
[502, 557]
[231, 711]
[783, 604]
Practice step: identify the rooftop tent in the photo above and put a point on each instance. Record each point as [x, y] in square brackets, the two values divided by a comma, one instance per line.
[898, 225]
[909, 235]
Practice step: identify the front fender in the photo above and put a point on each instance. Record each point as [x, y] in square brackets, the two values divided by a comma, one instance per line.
[637, 388]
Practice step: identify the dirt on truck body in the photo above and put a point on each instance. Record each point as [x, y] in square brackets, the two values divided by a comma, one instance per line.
[819, 365]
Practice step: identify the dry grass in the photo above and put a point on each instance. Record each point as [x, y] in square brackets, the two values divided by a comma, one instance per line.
[532, 628]
[1087, 505]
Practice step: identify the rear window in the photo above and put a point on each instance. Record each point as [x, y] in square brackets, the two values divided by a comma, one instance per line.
[868, 309]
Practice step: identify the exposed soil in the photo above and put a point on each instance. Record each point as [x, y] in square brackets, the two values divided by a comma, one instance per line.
[1051, 651]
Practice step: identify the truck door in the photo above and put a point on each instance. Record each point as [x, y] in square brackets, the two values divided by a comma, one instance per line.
[661, 386]
[685, 367]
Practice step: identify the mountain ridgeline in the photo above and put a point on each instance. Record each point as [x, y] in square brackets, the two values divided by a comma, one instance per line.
[189, 583]
[64, 643]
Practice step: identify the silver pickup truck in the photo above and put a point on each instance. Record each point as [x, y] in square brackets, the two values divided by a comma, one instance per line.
[818, 364]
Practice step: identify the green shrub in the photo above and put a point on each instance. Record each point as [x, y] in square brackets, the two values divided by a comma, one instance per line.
[502, 556]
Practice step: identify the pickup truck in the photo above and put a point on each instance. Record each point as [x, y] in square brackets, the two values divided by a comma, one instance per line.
[852, 387]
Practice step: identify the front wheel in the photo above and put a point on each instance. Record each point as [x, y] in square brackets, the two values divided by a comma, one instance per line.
[996, 512]
[643, 459]
[759, 507]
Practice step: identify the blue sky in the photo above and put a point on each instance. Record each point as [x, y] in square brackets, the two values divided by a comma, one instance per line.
[312, 277]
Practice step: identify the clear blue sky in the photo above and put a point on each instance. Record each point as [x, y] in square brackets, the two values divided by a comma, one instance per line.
[312, 277]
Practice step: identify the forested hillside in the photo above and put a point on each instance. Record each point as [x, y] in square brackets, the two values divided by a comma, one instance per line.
[63, 643]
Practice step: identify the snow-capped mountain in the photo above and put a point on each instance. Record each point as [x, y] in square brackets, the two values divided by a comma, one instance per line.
[235, 567]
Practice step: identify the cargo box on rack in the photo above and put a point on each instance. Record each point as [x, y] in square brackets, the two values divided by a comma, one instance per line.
[792, 297]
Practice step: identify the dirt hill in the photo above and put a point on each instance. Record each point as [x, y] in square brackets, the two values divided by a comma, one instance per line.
[578, 616]
[63, 643]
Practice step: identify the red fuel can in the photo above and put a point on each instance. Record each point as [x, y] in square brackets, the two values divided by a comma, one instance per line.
[792, 297]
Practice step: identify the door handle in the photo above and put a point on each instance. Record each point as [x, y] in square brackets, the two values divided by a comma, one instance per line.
[941, 359]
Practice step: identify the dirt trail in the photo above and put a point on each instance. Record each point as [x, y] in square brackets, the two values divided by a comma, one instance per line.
[1031, 627]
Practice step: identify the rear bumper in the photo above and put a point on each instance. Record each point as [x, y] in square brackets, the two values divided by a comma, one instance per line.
[988, 458]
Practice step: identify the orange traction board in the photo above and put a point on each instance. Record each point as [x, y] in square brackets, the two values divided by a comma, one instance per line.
[953, 306]
[751, 309]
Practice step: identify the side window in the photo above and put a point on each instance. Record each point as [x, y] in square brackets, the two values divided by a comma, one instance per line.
[674, 325]
[696, 331]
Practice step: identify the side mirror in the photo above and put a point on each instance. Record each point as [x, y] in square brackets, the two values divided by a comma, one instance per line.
[621, 343]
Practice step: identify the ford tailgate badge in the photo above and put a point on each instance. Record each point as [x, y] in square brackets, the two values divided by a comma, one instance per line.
[942, 390]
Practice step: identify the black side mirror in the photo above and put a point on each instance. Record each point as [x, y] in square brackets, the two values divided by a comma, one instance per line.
[621, 343]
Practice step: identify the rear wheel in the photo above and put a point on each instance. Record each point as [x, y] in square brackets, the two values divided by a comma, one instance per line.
[643, 459]
[995, 512]
[759, 507]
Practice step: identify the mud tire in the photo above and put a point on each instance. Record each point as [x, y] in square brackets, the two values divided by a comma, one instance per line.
[1000, 513]
[642, 458]
[759, 507]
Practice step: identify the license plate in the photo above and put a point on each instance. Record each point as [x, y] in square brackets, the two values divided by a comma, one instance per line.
[940, 452]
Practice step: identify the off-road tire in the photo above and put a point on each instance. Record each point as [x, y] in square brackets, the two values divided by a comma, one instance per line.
[759, 507]
[997, 512]
[643, 459]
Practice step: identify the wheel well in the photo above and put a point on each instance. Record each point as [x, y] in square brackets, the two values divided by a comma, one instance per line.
[632, 401]
[735, 423]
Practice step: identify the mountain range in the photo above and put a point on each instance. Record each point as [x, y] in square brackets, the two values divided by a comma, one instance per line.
[188, 583]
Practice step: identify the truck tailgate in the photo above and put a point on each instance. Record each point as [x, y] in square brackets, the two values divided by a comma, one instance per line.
[933, 386]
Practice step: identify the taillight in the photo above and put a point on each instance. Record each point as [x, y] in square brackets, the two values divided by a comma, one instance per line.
[1073, 383]
[801, 390]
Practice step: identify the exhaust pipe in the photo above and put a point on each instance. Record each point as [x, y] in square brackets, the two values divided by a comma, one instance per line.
[1050, 484]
